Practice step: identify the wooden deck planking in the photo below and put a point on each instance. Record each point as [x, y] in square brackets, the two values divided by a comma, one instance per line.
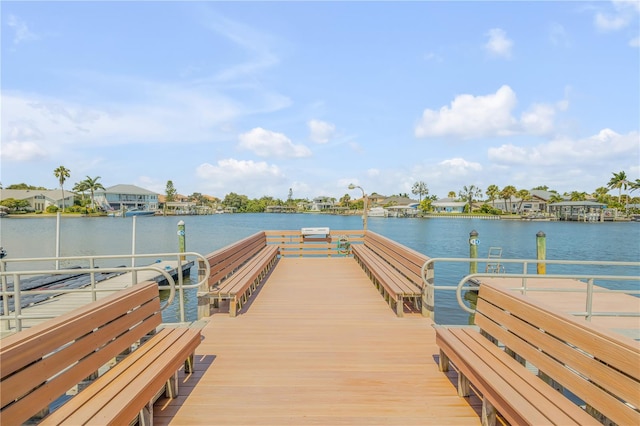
[318, 345]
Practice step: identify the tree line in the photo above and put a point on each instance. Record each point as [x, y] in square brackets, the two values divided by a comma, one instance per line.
[470, 194]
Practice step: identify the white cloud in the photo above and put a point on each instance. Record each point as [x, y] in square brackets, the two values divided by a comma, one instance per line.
[471, 116]
[251, 178]
[499, 44]
[21, 30]
[491, 115]
[624, 14]
[460, 166]
[266, 143]
[606, 145]
[22, 151]
[538, 119]
[635, 42]
[321, 131]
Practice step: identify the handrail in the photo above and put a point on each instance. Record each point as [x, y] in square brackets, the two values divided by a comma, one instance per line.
[428, 277]
[17, 292]
[589, 289]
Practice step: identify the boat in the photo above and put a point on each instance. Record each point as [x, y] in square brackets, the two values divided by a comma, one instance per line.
[132, 212]
[378, 212]
[3, 252]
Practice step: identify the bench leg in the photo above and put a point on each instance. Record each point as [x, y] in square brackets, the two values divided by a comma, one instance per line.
[400, 307]
[171, 389]
[443, 362]
[233, 306]
[188, 364]
[145, 418]
[204, 306]
[464, 386]
[488, 413]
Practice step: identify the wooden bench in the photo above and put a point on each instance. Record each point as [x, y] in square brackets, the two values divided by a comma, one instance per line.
[40, 364]
[236, 271]
[568, 352]
[396, 270]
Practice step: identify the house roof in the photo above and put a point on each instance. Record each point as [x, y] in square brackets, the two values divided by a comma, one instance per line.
[25, 194]
[128, 189]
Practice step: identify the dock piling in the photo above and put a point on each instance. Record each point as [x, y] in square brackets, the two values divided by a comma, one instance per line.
[474, 242]
[541, 246]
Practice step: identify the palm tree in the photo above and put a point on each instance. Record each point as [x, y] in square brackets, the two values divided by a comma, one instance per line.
[80, 187]
[420, 189]
[524, 195]
[469, 194]
[93, 185]
[506, 194]
[578, 196]
[634, 185]
[492, 193]
[600, 194]
[451, 194]
[62, 173]
[619, 180]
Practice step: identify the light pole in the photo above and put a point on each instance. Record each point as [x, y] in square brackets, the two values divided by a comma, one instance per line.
[364, 205]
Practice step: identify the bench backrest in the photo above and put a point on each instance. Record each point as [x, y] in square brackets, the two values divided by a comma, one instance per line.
[42, 363]
[406, 260]
[602, 370]
[226, 260]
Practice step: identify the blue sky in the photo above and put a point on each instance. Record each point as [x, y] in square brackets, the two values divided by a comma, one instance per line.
[257, 98]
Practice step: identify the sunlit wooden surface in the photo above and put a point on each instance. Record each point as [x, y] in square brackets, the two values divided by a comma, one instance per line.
[318, 345]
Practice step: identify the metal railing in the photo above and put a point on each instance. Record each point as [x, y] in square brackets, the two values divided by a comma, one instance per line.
[17, 293]
[471, 282]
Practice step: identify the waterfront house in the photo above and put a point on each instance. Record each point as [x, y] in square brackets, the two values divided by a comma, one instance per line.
[39, 199]
[321, 203]
[448, 205]
[126, 197]
[583, 211]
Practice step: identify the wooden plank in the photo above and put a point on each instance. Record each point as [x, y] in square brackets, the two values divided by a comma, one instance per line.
[317, 346]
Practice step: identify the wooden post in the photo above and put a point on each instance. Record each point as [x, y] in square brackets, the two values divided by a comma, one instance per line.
[182, 245]
[474, 242]
[541, 245]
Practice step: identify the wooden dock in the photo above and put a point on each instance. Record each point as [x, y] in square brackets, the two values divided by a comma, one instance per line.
[317, 345]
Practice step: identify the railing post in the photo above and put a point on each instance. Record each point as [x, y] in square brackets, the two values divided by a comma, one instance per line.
[134, 273]
[17, 301]
[5, 324]
[94, 296]
[428, 293]
[58, 238]
[589, 299]
[473, 251]
[541, 246]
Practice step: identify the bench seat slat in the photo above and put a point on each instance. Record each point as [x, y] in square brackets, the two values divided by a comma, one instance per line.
[76, 345]
[565, 363]
[141, 373]
[503, 392]
[18, 350]
[83, 348]
[596, 341]
[553, 359]
[386, 274]
[544, 397]
[599, 368]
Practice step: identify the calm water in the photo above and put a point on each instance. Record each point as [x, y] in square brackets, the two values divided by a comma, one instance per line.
[35, 237]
